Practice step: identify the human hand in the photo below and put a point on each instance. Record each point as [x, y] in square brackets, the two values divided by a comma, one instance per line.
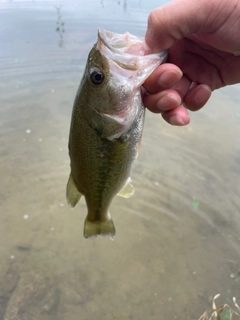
[204, 54]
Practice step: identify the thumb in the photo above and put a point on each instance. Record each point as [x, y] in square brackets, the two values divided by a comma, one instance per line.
[175, 20]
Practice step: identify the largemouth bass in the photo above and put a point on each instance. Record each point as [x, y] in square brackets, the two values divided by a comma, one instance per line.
[106, 127]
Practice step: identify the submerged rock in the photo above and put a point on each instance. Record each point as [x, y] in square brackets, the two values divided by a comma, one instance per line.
[34, 295]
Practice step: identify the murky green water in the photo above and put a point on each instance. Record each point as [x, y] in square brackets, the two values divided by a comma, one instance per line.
[178, 237]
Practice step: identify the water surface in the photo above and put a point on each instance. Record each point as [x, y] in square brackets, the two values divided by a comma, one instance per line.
[178, 238]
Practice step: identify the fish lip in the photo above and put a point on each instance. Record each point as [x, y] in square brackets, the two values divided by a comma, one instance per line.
[114, 47]
[104, 36]
[125, 57]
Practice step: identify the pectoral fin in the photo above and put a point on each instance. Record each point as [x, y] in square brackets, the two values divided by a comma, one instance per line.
[128, 190]
[114, 127]
[139, 146]
[73, 195]
[109, 126]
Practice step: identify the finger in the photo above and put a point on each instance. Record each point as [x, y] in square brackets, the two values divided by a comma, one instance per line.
[167, 99]
[183, 86]
[162, 101]
[165, 76]
[189, 17]
[177, 116]
[196, 98]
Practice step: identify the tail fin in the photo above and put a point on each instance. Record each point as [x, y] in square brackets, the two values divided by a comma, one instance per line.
[95, 228]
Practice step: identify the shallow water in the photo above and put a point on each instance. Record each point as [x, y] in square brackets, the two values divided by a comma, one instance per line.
[178, 238]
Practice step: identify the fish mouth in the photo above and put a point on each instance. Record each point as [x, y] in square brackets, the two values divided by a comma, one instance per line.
[121, 43]
[126, 50]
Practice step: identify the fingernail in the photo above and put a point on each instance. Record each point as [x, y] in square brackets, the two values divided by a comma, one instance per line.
[145, 48]
[165, 101]
[174, 98]
[175, 120]
[202, 94]
[165, 80]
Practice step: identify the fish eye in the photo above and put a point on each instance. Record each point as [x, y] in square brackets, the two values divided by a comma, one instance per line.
[96, 76]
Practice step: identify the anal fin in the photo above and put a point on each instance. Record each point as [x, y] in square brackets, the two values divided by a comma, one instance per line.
[72, 193]
[127, 191]
[95, 228]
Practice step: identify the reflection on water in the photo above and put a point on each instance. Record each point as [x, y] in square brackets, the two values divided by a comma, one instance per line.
[124, 5]
[60, 26]
[178, 239]
[119, 2]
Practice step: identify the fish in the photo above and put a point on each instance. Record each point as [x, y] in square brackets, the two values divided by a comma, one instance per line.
[106, 126]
